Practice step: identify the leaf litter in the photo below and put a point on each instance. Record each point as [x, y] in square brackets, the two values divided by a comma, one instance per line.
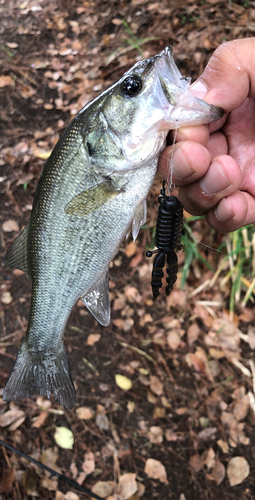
[185, 423]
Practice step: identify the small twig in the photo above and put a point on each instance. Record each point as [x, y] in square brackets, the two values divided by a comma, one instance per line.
[51, 471]
[139, 351]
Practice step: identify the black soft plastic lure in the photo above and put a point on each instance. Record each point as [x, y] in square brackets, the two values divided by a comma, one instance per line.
[167, 239]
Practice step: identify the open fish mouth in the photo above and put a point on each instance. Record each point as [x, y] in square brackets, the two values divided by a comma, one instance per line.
[184, 109]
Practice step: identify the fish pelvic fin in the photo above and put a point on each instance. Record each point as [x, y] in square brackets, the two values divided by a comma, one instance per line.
[16, 255]
[42, 373]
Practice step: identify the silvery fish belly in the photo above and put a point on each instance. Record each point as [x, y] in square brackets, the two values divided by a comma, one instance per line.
[91, 193]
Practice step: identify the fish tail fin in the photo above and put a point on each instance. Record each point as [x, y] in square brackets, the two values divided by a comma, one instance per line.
[42, 373]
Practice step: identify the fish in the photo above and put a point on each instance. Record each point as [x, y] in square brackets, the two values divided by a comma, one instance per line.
[91, 194]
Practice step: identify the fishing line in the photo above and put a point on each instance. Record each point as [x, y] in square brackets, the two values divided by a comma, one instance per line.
[51, 471]
[170, 167]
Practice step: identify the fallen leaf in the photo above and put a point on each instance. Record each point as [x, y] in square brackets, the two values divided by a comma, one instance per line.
[208, 458]
[102, 422]
[10, 416]
[7, 480]
[103, 488]
[64, 438]
[217, 473]
[84, 413]
[173, 339]
[50, 484]
[10, 225]
[155, 470]
[89, 463]
[6, 298]
[207, 433]
[193, 333]
[171, 435]
[49, 457]
[223, 445]
[123, 382]
[127, 485]
[155, 435]
[238, 469]
[195, 462]
[40, 419]
[155, 385]
[251, 337]
[93, 338]
[6, 80]
[130, 249]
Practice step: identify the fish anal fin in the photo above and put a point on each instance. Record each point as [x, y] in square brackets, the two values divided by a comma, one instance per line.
[139, 218]
[43, 373]
[90, 200]
[97, 300]
[16, 255]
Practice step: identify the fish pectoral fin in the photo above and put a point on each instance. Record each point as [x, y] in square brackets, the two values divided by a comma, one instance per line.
[139, 218]
[41, 373]
[88, 201]
[97, 300]
[16, 255]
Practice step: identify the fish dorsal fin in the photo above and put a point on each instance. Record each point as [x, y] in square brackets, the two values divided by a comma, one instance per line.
[16, 255]
[139, 218]
[90, 200]
[97, 300]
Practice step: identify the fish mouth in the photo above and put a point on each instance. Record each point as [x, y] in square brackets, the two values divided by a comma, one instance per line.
[183, 108]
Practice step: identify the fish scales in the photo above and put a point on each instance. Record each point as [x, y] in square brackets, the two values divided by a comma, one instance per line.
[92, 191]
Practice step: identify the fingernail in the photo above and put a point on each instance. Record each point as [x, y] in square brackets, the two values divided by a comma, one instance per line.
[182, 168]
[223, 212]
[215, 180]
[199, 89]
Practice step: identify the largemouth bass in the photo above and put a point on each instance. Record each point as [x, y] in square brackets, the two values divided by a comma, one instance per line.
[92, 191]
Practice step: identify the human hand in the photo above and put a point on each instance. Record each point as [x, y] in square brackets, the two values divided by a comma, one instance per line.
[214, 165]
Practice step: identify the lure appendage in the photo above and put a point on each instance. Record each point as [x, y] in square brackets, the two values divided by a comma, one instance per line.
[167, 239]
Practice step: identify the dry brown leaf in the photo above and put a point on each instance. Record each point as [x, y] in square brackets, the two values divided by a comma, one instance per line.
[238, 469]
[155, 385]
[88, 465]
[93, 338]
[127, 485]
[6, 298]
[195, 462]
[155, 435]
[84, 413]
[102, 422]
[49, 458]
[159, 412]
[207, 433]
[131, 249]
[208, 458]
[155, 470]
[10, 225]
[7, 480]
[193, 333]
[192, 359]
[133, 295]
[217, 473]
[6, 80]
[50, 484]
[223, 445]
[103, 488]
[173, 339]
[10, 416]
[171, 435]
[40, 419]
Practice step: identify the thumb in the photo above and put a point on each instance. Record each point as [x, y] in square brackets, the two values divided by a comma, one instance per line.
[229, 76]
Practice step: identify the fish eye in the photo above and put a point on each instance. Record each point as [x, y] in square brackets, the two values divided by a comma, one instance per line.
[131, 86]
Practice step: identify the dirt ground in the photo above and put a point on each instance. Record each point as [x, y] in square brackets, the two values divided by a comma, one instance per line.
[183, 427]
